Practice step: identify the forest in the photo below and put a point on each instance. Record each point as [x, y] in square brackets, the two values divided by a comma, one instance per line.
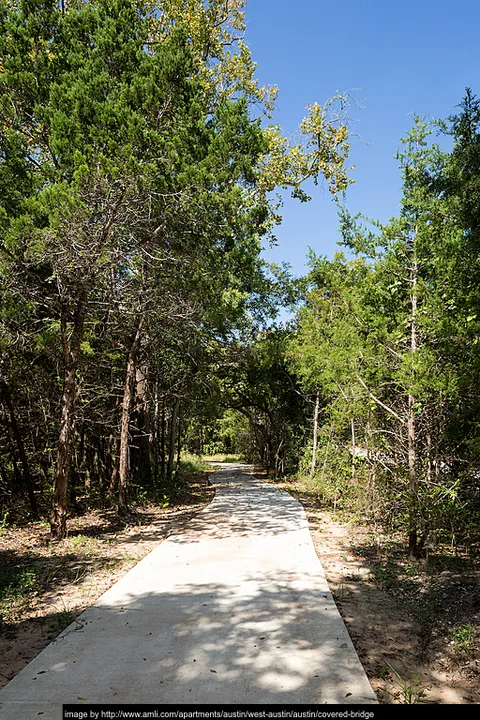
[142, 331]
[140, 168]
[137, 172]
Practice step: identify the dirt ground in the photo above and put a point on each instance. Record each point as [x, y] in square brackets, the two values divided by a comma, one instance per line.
[416, 632]
[52, 583]
[415, 626]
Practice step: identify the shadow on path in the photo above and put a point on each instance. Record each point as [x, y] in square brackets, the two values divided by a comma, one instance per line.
[233, 610]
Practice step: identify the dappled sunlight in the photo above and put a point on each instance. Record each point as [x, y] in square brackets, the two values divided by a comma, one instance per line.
[234, 609]
[276, 642]
[237, 513]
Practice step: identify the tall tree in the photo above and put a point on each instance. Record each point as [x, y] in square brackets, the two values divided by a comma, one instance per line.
[95, 146]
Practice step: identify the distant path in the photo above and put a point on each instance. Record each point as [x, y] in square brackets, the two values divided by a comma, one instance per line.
[234, 608]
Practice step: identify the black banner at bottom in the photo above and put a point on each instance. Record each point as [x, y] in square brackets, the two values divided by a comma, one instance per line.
[247, 712]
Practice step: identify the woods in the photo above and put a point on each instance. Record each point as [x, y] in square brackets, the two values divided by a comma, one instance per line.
[389, 339]
[138, 175]
[142, 176]
[136, 185]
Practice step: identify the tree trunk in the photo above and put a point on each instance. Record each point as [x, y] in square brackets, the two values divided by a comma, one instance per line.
[371, 468]
[413, 548]
[278, 461]
[315, 434]
[429, 450]
[3, 475]
[71, 352]
[109, 461]
[127, 405]
[171, 448]
[115, 448]
[412, 480]
[114, 475]
[154, 436]
[179, 440]
[141, 464]
[352, 425]
[163, 438]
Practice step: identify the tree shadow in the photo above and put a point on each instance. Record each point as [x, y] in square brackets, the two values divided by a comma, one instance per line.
[440, 592]
[245, 506]
[270, 643]
[233, 609]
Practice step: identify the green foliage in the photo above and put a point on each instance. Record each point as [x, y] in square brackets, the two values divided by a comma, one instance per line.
[193, 466]
[381, 338]
[409, 690]
[83, 544]
[17, 583]
[135, 191]
[4, 523]
[463, 638]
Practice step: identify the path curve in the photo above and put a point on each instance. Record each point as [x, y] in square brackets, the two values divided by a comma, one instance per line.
[233, 609]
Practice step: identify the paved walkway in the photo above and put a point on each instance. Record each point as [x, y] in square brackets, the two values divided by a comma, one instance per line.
[233, 609]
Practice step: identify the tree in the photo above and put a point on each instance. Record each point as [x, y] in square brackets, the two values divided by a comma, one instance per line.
[375, 338]
[137, 175]
[94, 152]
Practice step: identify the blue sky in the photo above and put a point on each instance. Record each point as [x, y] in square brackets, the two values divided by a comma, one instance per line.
[400, 57]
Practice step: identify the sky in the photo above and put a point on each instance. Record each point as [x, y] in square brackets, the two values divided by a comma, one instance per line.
[395, 58]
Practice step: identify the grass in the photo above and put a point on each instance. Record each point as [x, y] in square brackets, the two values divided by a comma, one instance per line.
[408, 691]
[191, 464]
[3, 523]
[463, 639]
[17, 583]
[219, 457]
[81, 543]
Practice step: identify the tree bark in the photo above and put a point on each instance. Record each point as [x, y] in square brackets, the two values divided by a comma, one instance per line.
[162, 442]
[412, 478]
[315, 434]
[413, 547]
[154, 435]
[352, 425]
[71, 352]
[179, 440]
[127, 405]
[141, 465]
[171, 448]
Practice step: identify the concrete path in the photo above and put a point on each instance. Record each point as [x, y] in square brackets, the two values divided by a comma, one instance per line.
[233, 609]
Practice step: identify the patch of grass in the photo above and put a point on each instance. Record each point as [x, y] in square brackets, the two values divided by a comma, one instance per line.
[16, 579]
[17, 583]
[382, 672]
[408, 691]
[193, 465]
[341, 591]
[4, 523]
[223, 458]
[64, 618]
[83, 544]
[463, 639]
[386, 574]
